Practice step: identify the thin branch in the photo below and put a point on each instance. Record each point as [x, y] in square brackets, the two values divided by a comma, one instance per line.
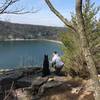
[19, 12]
[8, 3]
[5, 7]
[6, 97]
[58, 14]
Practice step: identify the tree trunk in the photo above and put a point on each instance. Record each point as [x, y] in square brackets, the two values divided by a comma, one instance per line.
[86, 50]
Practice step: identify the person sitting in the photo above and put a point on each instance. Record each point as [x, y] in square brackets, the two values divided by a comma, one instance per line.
[45, 70]
[57, 63]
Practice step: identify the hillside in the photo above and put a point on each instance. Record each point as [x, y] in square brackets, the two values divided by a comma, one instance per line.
[23, 31]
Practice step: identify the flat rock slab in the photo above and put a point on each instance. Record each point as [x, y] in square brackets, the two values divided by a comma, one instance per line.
[30, 71]
[23, 82]
[49, 85]
[6, 81]
[14, 76]
[52, 84]
[39, 81]
[59, 78]
[41, 84]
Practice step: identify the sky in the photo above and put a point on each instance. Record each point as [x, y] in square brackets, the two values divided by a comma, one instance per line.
[44, 16]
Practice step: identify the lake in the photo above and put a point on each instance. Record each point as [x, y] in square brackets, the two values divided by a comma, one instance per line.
[16, 54]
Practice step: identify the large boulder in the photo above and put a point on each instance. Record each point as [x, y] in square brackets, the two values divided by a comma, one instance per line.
[23, 82]
[46, 86]
[7, 80]
[37, 83]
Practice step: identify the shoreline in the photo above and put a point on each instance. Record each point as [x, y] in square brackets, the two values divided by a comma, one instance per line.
[55, 41]
[2, 71]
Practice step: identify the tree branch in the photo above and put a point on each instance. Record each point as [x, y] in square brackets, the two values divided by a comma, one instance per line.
[57, 13]
[20, 11]
[7, 3]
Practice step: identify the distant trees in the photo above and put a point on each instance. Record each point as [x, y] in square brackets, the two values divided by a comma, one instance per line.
[23, 31]
[80, 27]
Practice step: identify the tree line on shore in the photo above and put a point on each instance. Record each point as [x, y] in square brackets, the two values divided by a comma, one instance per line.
[23, 31]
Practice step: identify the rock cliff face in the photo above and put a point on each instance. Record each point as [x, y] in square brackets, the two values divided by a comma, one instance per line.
[23, 31]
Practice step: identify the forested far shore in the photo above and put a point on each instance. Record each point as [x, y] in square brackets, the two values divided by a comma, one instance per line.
[10, 31]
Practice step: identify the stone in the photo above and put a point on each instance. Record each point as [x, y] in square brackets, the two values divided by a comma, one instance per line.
[23, 82]
[37, 83]
[48, 85]
[7, 80]
[31, 71]
[76, 90]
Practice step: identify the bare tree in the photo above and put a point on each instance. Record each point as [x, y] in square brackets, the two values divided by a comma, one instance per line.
[84, 42]
[5, 4]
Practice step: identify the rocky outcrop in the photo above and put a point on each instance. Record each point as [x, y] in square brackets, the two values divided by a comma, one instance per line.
[41, 86]
[20, 78]
[56, 88]
[34, 87]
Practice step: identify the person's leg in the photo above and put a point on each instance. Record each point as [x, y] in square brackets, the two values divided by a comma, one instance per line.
[58, 69]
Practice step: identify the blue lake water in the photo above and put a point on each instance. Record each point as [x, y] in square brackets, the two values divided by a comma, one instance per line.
[16, 54]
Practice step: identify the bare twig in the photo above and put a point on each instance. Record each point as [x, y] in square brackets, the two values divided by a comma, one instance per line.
[6, 97]
[7, 3]
[19, 12]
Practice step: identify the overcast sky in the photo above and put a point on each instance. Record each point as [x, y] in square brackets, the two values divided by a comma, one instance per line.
[44, 16]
